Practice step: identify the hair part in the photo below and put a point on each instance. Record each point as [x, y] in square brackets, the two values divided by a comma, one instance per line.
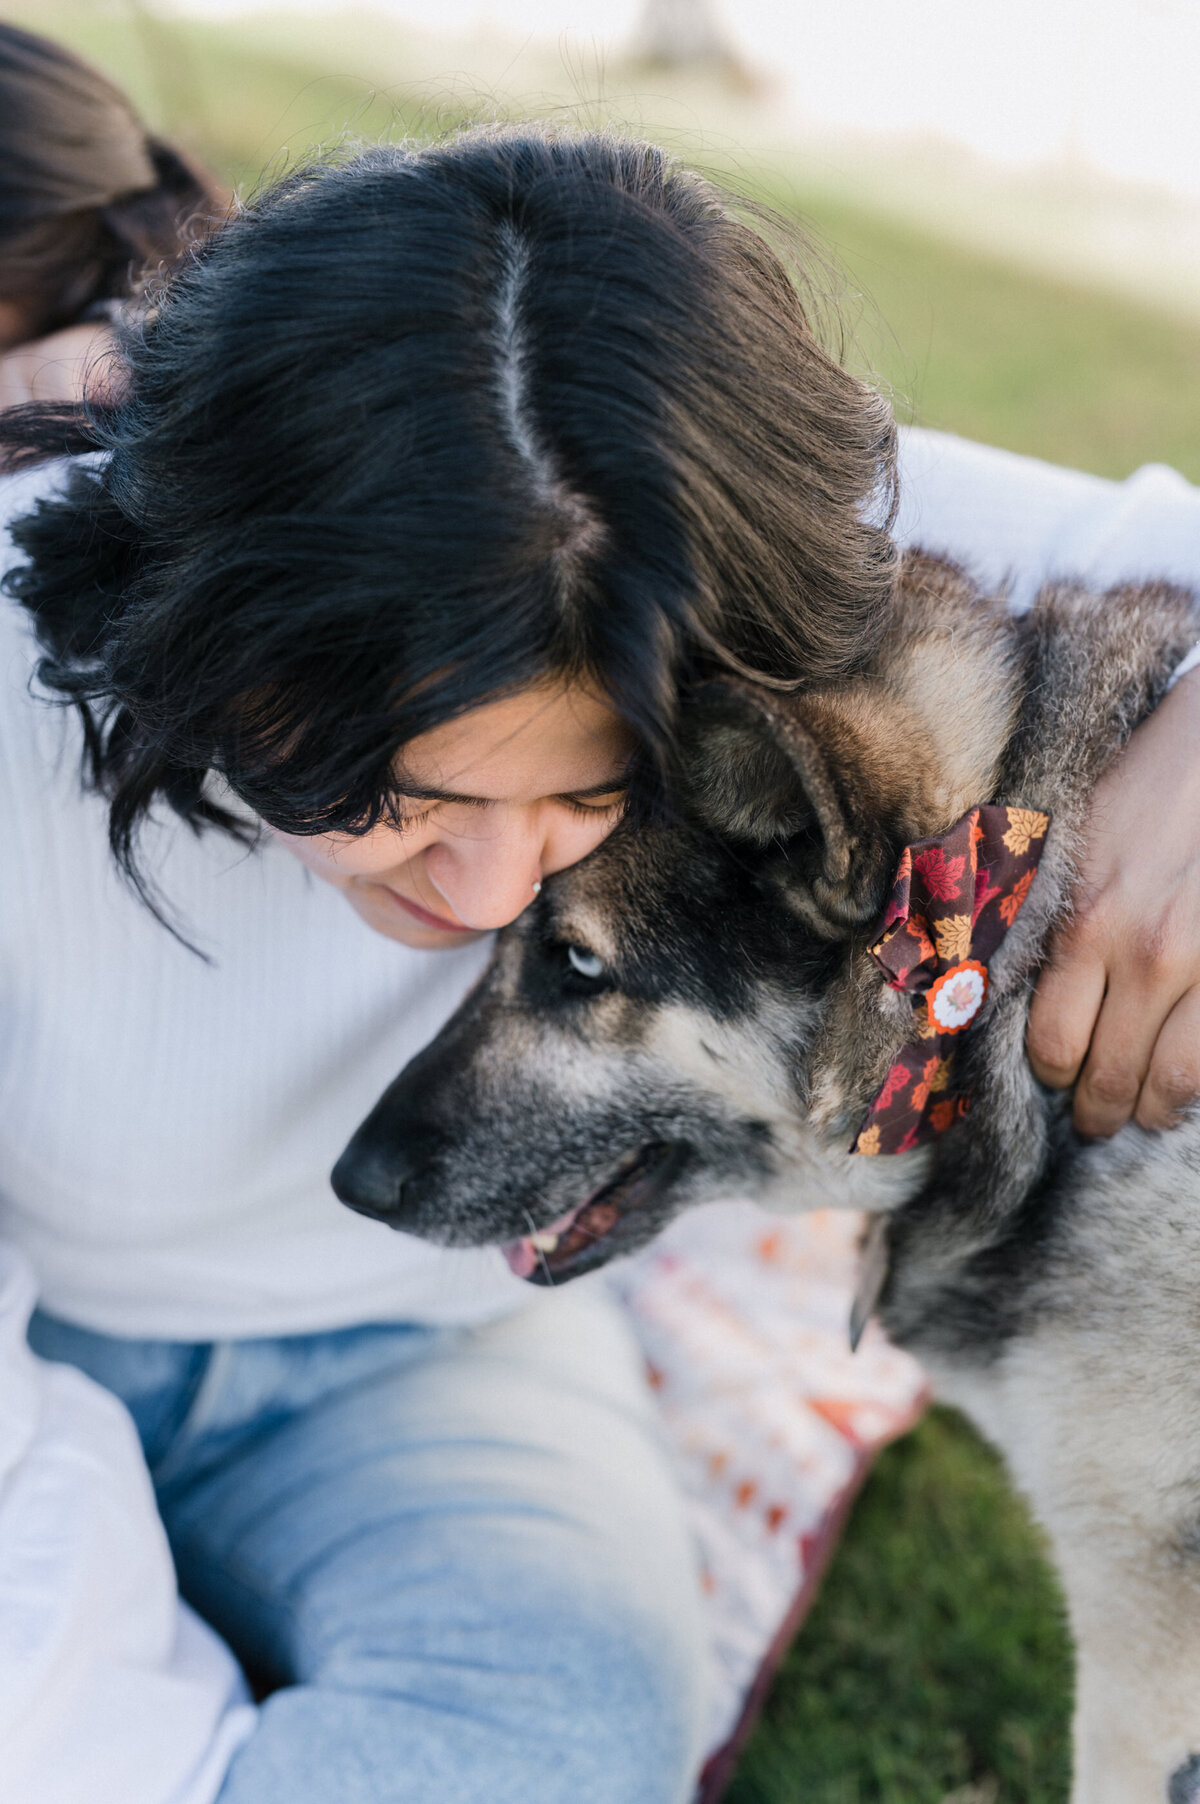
[428, 426]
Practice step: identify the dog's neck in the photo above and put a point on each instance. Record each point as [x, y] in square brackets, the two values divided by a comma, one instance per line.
[1084, 670]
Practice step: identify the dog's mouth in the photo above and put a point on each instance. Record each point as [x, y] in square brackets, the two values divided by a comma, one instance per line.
[584, 1237]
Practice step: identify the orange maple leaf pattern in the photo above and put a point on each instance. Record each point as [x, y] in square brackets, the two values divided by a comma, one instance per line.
[914, 927]
[1010, 905]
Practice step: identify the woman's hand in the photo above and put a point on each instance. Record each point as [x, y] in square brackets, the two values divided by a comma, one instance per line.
[54, 368]
[1118, 1006]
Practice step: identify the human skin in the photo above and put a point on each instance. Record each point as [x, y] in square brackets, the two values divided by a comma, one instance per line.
[1118, 1006]
[52, 368]
[540, 778]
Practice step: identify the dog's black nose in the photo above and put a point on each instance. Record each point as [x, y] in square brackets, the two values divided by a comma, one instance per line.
[371, 1181]
[1183, 1787]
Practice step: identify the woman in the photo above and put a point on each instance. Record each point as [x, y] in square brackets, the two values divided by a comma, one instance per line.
[432, 480]
[89, 203]
[436, 480]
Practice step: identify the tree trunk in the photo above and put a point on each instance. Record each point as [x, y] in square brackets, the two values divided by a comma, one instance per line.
[676, 34]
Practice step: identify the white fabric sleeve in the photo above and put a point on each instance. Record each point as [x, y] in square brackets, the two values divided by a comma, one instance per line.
[1013, 520]
[1185, 666]
[111, 1690]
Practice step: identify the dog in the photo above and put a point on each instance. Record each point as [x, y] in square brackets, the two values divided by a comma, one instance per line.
[698, 1010]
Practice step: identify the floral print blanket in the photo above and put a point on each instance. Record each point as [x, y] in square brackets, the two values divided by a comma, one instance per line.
[771, 1419]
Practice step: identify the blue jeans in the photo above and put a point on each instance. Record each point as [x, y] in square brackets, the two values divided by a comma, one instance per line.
[455, 1558]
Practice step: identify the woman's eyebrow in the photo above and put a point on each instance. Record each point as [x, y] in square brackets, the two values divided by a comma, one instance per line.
[418, 792]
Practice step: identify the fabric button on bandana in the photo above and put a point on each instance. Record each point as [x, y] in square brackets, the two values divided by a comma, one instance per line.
[957, 996]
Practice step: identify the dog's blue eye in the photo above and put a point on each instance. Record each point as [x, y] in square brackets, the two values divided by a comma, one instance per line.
[586, 963]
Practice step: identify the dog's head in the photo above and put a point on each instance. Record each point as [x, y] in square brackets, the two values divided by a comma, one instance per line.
[685, 1015]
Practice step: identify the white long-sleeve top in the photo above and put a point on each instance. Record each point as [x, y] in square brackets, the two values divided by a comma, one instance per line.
[111, 1690]
[167, 1126]
[1016, 521]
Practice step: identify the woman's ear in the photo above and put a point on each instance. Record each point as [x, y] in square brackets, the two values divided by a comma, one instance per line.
[809, 782]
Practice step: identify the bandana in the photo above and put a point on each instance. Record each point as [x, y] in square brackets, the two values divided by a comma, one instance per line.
[953, 901]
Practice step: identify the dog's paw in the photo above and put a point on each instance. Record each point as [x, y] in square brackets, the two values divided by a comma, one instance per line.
[1183, 1787]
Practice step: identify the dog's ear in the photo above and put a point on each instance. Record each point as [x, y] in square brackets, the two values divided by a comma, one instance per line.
[812, 784]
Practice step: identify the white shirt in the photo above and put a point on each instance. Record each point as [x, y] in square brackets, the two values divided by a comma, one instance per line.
[111, 1690]
[1014, 520]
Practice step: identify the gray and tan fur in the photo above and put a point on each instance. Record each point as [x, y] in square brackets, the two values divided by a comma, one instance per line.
[735, 1030]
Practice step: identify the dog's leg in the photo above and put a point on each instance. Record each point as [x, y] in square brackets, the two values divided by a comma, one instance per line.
[1101, 1435]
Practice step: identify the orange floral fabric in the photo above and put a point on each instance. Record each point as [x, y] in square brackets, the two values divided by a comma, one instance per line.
[953, 900]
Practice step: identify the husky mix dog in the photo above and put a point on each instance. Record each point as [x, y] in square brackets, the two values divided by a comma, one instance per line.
[692, 1013]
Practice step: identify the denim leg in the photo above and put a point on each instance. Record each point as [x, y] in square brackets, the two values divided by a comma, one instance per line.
[461, 1557]
[157, 1380]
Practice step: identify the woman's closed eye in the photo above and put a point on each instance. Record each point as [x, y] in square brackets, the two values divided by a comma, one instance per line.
[611, 802]
[600, 805]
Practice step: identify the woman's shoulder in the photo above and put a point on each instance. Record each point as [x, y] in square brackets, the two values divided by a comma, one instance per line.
[21, 490]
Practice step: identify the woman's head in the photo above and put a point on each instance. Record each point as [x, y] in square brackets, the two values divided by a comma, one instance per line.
[520, 415]
[87, 197]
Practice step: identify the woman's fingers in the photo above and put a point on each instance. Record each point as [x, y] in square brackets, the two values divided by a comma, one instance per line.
[1173, 1080]
[1117, 1026]
[1064, 1010]
[1122, 1051]
[1124, 973]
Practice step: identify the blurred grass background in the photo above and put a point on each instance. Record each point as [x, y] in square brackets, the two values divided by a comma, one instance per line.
[935, 1668]
[975, 344]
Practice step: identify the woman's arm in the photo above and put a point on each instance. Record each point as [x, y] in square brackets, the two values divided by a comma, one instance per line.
[1117, 1011]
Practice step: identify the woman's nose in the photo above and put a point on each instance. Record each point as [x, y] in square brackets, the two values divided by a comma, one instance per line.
[486, 883]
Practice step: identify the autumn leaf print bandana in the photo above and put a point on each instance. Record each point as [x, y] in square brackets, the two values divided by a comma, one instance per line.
[952, 903]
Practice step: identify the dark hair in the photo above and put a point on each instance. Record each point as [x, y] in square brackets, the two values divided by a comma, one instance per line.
[88, 198]
[429, 426]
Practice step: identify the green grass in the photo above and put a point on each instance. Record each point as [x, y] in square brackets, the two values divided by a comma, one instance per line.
[980, 347]
[996, 353]
[935, 1666]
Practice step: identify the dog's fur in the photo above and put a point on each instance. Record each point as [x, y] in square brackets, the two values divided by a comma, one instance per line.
[1051, 1286]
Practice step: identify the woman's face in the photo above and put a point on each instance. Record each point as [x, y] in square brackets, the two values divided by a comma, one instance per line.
[496, 800]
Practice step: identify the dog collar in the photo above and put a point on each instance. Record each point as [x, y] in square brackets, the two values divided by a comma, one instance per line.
[952, 903]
